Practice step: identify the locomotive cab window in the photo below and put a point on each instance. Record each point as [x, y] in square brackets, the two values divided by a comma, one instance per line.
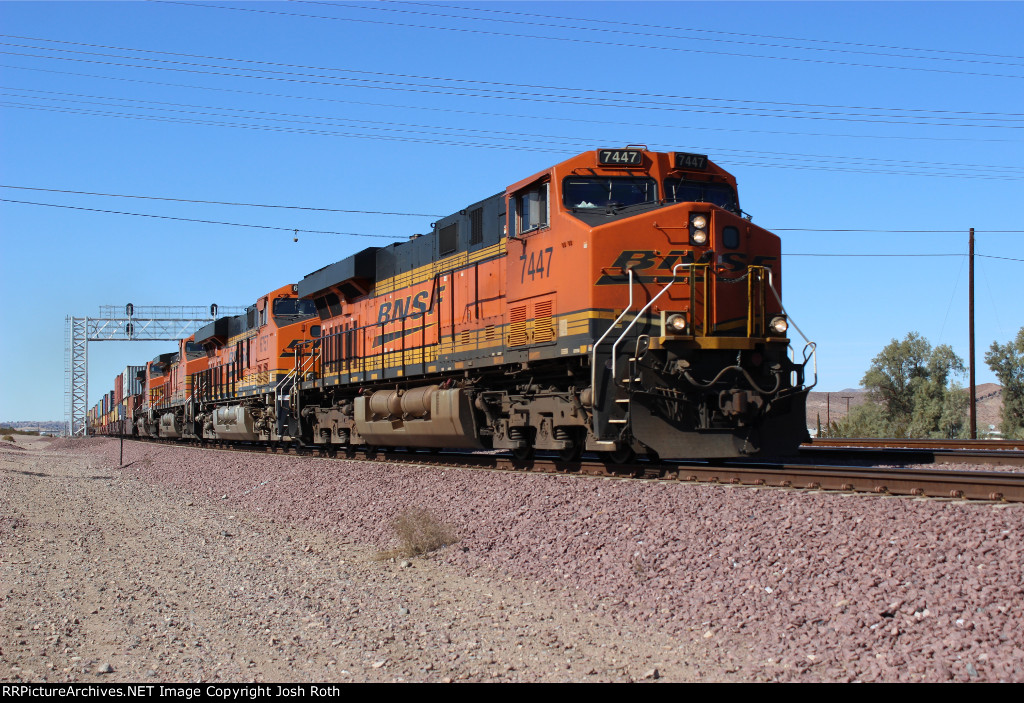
[682, 190]
[531, 208]
[591, 193]
[294, 307]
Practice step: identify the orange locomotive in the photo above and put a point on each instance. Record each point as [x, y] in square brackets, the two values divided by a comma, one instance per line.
[242, 392]
[154, 394]
[230, 380]
[617, 302]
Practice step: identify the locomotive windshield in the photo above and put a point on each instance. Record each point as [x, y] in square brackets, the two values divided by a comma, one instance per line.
[588, 193]
[681, 190]
[297, 307]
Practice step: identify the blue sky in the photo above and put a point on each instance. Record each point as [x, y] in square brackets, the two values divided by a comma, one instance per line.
[833, 116]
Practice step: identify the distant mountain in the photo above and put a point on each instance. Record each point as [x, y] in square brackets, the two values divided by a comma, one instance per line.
[832, 405]
[48, 426]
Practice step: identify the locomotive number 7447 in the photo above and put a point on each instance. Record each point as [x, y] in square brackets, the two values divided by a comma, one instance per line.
[534, 264]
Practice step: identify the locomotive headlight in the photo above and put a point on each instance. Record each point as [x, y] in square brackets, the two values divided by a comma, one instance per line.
[779, 325]
[698, 229]
[676, 323]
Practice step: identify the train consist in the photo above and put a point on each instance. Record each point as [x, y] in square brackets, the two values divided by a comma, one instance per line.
[618, 302]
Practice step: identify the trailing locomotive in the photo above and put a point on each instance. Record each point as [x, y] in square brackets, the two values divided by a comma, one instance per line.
[617, 302]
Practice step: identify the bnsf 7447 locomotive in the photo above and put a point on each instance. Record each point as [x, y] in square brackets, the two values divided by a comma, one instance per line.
[617, 302]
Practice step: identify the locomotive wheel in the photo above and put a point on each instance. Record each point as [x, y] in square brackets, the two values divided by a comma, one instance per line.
[523, 454]
[573, 452]
[622, 454]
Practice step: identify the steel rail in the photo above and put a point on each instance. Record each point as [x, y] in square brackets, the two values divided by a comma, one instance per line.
[934, 483]
[895, 443]
[909, 455]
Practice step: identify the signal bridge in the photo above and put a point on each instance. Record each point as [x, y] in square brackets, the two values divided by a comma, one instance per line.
[131, 323]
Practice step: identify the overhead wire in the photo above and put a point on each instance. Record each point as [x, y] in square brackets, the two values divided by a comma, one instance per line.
[192, 219]
[532, 116]
[962, 230]
[625, 97]
[404, 135]
[618, 30]
[577, 40]
[986, 170]
[216, 202]
[1010, 121]
[619, 22]
[399, 238]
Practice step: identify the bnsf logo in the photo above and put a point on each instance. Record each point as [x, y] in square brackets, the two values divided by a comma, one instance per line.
[413, 307]
[653, 263]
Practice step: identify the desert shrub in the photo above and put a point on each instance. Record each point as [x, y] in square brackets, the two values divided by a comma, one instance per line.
[419, 532]
[8, 438]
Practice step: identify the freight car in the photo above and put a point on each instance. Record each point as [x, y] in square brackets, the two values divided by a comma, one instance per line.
[618, 302]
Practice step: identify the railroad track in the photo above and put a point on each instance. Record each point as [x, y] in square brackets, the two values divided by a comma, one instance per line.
[935, 483]
[962, 444]
[918, 451]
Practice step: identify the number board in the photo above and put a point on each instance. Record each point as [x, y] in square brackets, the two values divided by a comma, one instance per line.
[691, 162]
[620, 157]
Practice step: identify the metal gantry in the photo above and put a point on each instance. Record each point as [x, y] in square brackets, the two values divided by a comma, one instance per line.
[151, 323]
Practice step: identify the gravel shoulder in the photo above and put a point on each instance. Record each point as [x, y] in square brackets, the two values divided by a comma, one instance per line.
[102, 570]
[216, 566]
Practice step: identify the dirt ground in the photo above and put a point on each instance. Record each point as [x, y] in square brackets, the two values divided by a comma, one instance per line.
[189, 565]
[105, 577]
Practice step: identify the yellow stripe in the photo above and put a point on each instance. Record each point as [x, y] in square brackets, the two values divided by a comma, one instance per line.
[427, 272]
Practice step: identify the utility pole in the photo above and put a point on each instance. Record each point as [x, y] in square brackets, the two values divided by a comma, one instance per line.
[970, 313]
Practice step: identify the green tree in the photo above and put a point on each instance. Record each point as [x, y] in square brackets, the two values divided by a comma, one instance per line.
[939, 405]
[866, 420]
[894, 376]
[1007, 362]
[912, 392]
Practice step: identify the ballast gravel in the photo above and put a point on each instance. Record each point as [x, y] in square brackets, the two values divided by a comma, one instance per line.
[641, 580]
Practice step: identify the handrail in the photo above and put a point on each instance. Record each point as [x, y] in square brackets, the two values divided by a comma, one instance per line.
[807, 343]
[705, 304]
[643, 310]
[299, 369]
[593, 354]
[756, 309]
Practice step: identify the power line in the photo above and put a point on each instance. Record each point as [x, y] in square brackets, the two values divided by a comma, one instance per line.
[903, 231]
[401, 135]
[394, 238]
[910, 256]
[875, 255]
[207, 222]
[500, 84]
[533, 116]
[218, 202]
[575, 40]
[987, 169]
[621, 23]
[294, 130]
[501, 91]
